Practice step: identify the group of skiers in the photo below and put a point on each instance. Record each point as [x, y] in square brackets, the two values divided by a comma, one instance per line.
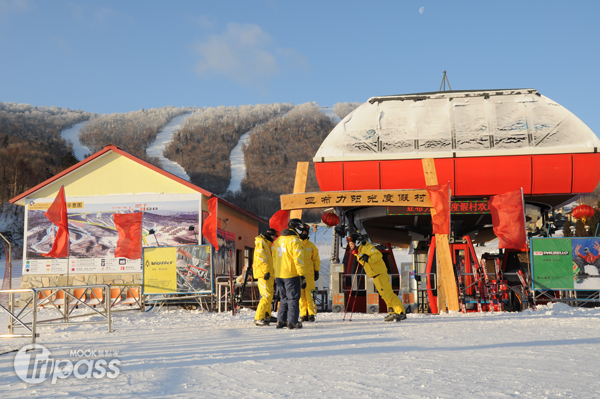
[291, 263]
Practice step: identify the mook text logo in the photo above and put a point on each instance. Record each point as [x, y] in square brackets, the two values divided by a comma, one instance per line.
[34, 364]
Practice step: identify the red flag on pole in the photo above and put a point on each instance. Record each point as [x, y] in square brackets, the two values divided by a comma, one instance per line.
[57, 214]
[508, 219]
[279, 220]
[129, 226]
[440, 199]
[209, 226]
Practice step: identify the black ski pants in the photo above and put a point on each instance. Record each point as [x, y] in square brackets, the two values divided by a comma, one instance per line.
[289, 290]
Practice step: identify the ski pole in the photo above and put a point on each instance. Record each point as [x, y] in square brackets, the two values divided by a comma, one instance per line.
[357, 288]
[313, 293]
[351, 288]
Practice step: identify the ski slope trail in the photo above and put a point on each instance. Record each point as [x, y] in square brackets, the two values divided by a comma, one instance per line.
[72, 133]
[237, 162]
[236, 159]
[238, 165]
[163, 138]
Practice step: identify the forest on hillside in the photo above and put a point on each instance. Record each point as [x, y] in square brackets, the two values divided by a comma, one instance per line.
[132, 131]
[204, 143]
[271, 156]
[31, 149]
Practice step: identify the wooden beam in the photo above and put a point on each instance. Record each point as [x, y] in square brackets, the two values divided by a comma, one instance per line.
[445, 271]
[299, 186]
[415, 198]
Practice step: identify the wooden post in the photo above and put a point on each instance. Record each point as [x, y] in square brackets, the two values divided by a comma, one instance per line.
[447, 289]
[299, 186]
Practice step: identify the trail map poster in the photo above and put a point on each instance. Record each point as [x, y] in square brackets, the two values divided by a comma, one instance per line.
[178, 270]
[566, 263]
[93, 236]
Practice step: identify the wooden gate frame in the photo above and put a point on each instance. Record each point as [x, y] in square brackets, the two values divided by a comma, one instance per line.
[447, 289]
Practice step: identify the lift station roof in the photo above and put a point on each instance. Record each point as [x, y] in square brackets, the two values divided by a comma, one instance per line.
[457, 123]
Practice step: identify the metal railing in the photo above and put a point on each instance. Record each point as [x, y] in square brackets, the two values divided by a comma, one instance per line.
[131, 297]
[42, 297]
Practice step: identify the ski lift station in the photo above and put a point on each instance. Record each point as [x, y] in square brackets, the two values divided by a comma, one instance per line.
[484, 143]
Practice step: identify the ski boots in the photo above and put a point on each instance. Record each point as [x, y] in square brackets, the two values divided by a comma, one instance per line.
[395, 317]
[311, 318]
[261, 322]
[293, 326]
[304, 319]
[281, 324]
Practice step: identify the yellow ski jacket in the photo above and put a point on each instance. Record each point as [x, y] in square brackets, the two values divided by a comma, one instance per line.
[375, 265]
[263, 257]
[288, 255]
[312, 261]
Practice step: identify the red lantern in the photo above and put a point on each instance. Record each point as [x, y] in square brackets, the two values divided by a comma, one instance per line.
[330, 219]
[583, 212]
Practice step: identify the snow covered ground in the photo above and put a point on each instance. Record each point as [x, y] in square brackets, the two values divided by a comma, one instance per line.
[550, 353]
[163, 138]
[72, 133]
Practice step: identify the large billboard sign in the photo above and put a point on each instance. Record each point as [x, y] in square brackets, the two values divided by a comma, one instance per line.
[178, 270]
[566, 263]
[166, 221]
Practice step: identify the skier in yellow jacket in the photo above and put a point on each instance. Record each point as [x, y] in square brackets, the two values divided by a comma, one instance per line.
[312, 264]
[264, 273]
[288, 254]
[372, 261]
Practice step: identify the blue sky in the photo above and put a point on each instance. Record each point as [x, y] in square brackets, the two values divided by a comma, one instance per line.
[119, 56]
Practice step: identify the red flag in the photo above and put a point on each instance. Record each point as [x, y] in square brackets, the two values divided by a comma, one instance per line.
[129, 226]
[209, 226]
[440, 199]
[279, 220]
[57, 214]
[508, 219]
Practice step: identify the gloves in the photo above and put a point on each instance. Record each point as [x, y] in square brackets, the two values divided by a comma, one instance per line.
[303, 282]
[316, 275]
[267, 276]
[364, 258]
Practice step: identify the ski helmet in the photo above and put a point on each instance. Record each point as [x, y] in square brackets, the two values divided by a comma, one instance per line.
[271, 234]
[297, 225]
